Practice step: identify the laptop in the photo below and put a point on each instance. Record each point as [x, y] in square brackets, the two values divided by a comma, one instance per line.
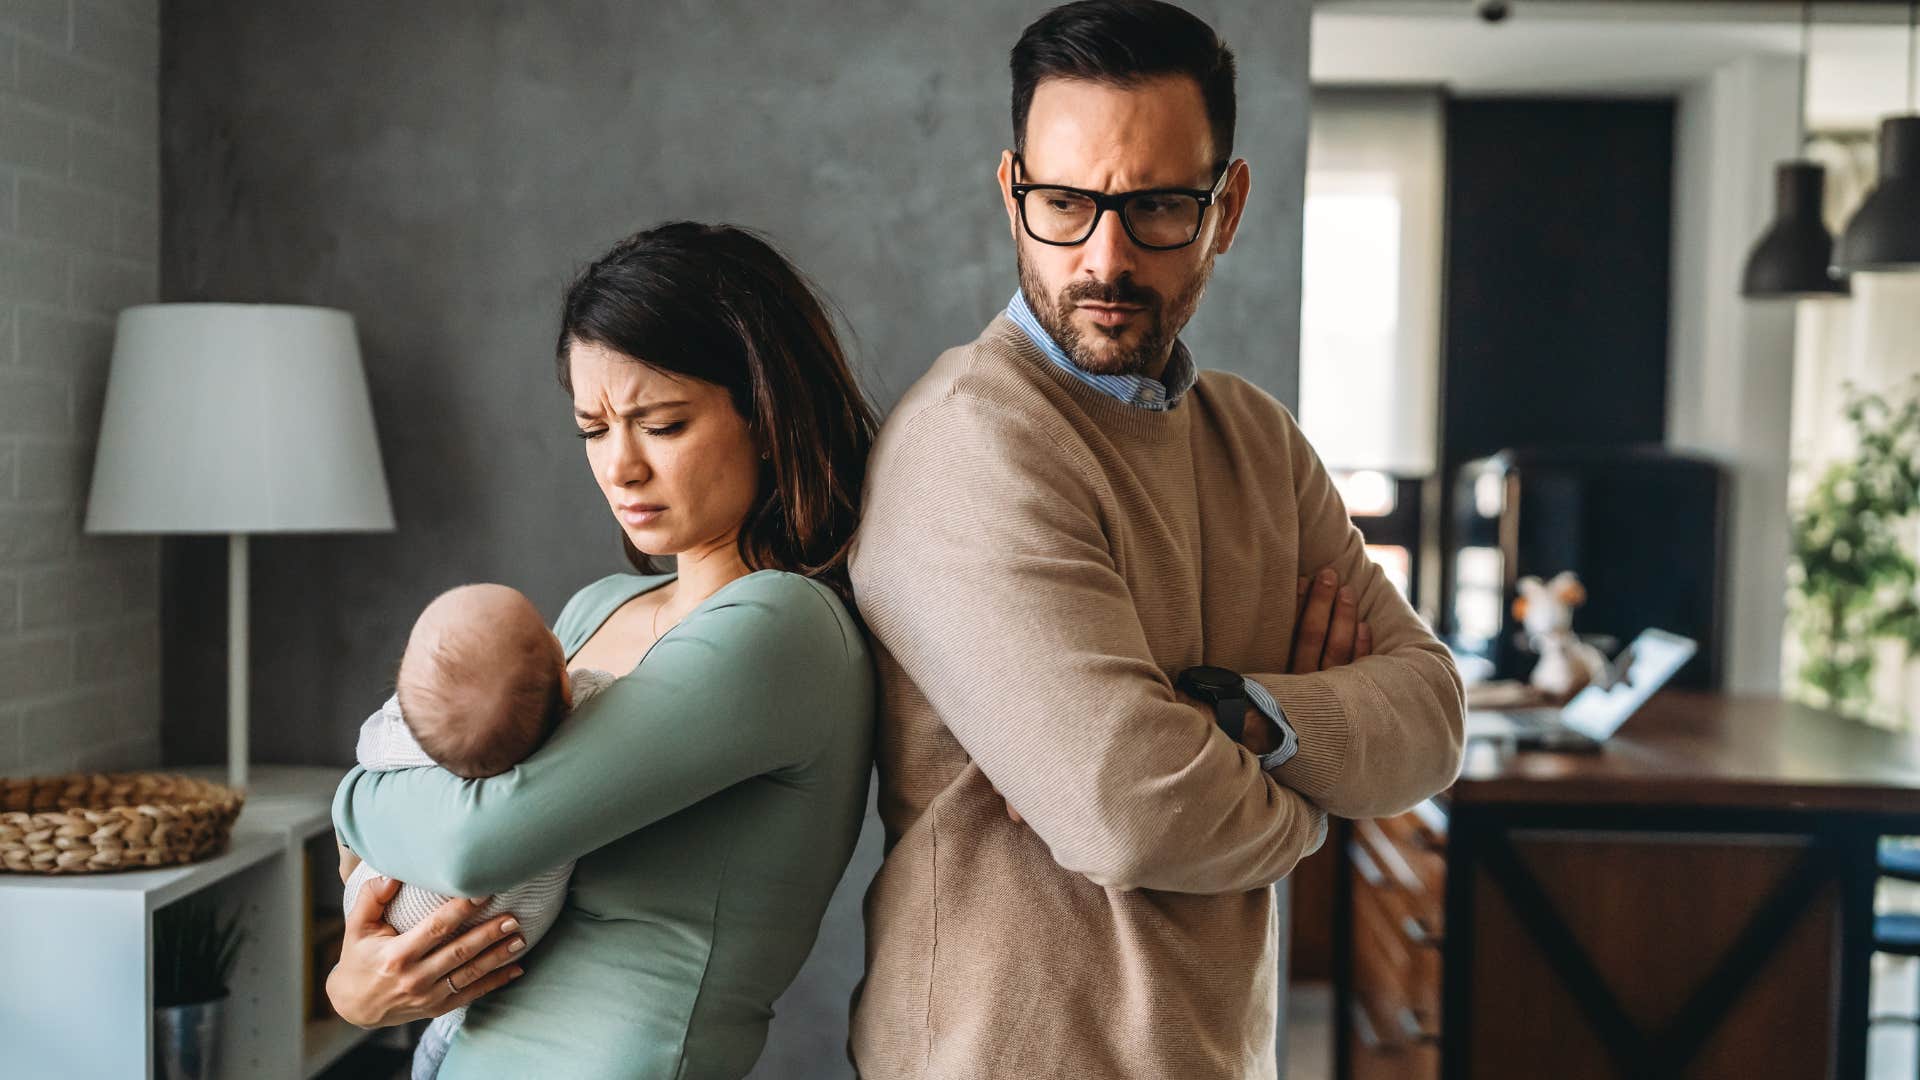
[1593, 715]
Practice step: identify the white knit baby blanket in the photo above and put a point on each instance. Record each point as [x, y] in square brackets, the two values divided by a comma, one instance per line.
[386, 744]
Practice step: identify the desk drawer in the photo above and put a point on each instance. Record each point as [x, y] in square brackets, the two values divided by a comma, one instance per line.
[1396, 960]
[1410, 867]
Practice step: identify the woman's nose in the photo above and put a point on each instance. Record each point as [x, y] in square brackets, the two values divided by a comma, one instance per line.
[626, 462]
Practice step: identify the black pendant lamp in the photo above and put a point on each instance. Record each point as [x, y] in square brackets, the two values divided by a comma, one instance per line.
[1793, 259]
[1884, 235]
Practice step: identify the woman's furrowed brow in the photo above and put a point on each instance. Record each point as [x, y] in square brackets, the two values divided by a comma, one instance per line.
[632, 414]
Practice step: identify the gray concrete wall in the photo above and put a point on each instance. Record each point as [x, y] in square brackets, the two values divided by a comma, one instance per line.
[439, 167]
[79, 240]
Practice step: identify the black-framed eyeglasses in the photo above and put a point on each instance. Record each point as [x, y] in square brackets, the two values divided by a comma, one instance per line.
[1159, 219]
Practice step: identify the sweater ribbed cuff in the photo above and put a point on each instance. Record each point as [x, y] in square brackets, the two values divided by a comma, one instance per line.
[1315, 713]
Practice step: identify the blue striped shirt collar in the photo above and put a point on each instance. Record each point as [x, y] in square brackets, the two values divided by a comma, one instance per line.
[1139, 391]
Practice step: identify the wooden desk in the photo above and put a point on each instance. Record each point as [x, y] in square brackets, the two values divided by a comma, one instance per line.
[1696, 900]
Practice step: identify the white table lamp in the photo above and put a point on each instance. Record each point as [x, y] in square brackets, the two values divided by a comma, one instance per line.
[237, 419]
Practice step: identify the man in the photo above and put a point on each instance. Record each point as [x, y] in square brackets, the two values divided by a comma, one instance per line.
[1063, 522]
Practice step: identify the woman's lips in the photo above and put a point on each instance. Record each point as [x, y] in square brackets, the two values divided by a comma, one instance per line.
[639, 513]
[1110, 315]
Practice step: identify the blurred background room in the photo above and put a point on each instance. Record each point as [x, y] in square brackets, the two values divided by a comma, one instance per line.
[1544, 281]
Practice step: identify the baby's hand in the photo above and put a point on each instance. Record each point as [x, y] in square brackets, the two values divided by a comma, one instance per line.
[348, 860]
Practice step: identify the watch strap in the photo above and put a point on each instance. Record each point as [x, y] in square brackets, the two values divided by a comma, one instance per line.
[1231, 715]
[1263, 699]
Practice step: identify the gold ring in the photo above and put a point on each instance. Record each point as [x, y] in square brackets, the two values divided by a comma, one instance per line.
[452, 990]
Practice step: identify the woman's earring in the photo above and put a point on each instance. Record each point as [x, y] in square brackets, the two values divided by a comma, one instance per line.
[765, 454]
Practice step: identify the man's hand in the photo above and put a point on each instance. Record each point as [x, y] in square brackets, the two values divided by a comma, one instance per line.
[1327, 630]
[1327, 633]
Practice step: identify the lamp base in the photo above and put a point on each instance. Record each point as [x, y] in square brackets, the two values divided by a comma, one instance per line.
[237, 688]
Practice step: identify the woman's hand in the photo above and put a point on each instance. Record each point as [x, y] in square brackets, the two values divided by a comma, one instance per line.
[385, 977]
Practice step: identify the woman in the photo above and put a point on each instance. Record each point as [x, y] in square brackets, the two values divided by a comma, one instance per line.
[714, 793]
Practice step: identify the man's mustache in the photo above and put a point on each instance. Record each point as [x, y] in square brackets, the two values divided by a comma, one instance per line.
[1123, 291]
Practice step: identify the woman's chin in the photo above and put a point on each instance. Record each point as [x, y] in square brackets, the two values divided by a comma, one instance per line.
[652, 543]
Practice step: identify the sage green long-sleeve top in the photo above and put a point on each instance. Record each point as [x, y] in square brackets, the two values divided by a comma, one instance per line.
[712, 797]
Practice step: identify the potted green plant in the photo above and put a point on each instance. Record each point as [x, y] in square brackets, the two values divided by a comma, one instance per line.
[1853, 575]
[194, 950]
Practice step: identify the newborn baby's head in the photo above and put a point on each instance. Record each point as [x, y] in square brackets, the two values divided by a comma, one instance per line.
[483, 681]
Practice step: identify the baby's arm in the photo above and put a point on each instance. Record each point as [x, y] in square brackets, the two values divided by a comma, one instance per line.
[535, 902]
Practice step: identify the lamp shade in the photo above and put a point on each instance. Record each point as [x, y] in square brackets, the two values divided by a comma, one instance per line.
[237, 418]
[1794, 257]
[1884, 234]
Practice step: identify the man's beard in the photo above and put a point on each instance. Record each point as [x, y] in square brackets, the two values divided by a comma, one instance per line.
[1164, 319]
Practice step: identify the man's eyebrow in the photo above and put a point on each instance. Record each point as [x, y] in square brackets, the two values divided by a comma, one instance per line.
[634, 413]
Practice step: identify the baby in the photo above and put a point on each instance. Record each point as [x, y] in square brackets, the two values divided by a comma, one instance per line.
[482, 684]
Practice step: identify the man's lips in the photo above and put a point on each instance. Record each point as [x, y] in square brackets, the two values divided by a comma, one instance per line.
[1111, 314]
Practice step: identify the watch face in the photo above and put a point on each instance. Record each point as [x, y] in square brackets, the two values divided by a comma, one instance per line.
[1216, 679]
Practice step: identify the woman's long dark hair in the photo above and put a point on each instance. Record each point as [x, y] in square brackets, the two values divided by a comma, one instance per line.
[719, 304]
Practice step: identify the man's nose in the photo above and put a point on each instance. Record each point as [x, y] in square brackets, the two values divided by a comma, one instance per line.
[1109, 252]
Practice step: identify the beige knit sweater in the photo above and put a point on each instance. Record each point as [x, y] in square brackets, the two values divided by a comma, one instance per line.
[1038, 561]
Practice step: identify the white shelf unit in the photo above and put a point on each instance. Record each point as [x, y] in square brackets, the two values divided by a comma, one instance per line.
[77, 996]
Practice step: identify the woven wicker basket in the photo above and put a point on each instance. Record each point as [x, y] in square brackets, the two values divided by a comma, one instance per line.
[83, 823]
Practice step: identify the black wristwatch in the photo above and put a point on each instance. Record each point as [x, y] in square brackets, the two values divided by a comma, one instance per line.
[1225, 690]
[1231, 696]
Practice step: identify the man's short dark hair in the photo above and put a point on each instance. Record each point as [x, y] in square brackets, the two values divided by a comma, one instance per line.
[1122, 42]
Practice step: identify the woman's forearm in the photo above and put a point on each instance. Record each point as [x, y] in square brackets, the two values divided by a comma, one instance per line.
[681, 727]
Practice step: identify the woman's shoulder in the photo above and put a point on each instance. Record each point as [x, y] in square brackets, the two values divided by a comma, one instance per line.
[795, 610]
[793, 600]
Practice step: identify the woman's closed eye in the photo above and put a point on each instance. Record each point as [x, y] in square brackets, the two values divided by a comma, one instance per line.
[660, 431]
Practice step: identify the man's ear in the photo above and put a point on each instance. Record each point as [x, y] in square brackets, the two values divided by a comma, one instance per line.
[1233, 203]
[1005, 175]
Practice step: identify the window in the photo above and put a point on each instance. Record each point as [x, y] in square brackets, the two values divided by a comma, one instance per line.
[1370, 310]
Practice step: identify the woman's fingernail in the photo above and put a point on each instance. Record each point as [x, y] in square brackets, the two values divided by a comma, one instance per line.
[1346, 595]
[517, 972]
[516, 944]
[1328, 577]
[509, 926]
[1300, 587]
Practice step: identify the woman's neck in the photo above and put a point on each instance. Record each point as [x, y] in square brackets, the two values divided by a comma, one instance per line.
[702, 571]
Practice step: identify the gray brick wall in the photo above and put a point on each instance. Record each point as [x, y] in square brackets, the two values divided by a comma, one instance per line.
[79, 239]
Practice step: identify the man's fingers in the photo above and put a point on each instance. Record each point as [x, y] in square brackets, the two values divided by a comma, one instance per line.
[369, 914]
[1311, 637]
[1340, 632]
[487, 985]
[1363, 641]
